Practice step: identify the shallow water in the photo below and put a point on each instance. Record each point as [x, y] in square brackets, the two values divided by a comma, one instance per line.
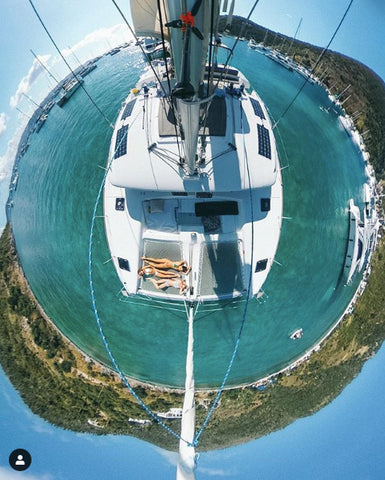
[59, 178]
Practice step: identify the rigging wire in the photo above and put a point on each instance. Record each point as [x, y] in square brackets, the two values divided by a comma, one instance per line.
[166, 96]
[236, 42]
[68, 65]
[243, 319]
[315, 65]
[127, 384]
[142, 49]
[172, 106]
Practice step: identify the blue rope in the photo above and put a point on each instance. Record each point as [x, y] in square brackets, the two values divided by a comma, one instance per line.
[127, 384]
[236, 346]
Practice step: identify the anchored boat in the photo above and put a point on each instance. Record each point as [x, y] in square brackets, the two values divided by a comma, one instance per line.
[193, 193]
[193, 169]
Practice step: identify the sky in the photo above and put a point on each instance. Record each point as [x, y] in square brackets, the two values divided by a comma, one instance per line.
[345, 440]
[349, 433]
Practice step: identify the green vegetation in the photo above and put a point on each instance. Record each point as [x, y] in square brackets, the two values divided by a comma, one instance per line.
[337, 71]
[54, 379]
[69, 390]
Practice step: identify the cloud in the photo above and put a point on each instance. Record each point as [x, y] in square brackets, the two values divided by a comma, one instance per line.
[171, 457]
[94, 43]
[27, 81]
[3, 124]
[215, 472]
[6, 160]
[9, 474]
[102, 38]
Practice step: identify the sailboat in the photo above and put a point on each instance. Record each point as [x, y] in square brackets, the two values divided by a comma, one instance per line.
[194, 173]
[193, 191]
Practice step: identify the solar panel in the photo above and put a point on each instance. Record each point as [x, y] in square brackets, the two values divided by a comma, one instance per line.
[264, 147]
[128, 110]
[121, 141]
[257, 108]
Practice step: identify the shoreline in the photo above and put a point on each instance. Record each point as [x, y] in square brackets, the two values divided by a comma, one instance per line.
[245, 412]
[242, 405]
[263, 381]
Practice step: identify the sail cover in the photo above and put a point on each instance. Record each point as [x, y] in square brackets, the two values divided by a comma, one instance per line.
[145, 17]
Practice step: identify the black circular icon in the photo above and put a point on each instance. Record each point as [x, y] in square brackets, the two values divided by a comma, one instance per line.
[20, 459]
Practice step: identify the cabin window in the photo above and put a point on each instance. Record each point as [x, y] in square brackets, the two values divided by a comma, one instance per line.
[124, 264]
[203, 194]
[119, 204]
[261, 265]
[265, 204]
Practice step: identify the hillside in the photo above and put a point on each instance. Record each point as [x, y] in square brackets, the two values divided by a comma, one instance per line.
[337, 71]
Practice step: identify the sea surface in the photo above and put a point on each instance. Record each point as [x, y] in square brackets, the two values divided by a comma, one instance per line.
[61, 173]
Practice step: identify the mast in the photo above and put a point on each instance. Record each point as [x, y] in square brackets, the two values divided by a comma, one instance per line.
[295, 36]
[229, 19]
[187, 28]
[45, 68]
[190, 37]
[73, 53]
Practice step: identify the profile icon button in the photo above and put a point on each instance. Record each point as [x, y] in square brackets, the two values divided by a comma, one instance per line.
[20, 459]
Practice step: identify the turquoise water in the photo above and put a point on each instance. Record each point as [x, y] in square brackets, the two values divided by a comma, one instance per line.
[59, 178]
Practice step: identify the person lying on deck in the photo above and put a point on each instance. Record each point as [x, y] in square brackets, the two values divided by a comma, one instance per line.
[149, 270]
[165, 263]
[170, 282]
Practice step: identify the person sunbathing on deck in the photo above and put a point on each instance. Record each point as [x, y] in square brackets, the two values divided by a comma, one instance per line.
[170, 282]
[165, 263]
[149, 270]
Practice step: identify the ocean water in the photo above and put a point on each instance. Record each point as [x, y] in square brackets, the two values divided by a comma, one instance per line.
[59, 178]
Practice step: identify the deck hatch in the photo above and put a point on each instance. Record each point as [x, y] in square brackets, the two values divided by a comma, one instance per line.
[207, 209]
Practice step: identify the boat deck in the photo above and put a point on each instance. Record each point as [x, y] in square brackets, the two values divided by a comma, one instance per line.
[217, 267]
[224, 221]
[220, 269]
